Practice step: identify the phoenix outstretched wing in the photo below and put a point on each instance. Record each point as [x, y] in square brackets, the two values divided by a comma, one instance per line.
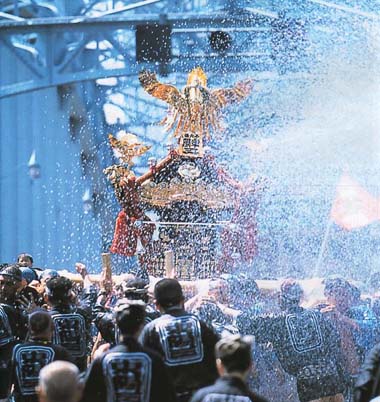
[165, 92]
[226, 96]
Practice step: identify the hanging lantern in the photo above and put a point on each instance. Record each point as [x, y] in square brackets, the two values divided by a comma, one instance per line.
[88, 204]
[34, 167]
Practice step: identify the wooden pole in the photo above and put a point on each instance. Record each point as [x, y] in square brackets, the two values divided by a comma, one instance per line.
[106, 268]
[169, 264]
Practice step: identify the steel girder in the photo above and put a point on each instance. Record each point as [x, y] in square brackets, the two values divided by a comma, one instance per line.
[65, 50]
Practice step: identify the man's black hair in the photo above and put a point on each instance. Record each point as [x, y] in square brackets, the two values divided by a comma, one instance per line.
[336, 286]
[39, 322]
[291, 293]
[234, 352]
[168, 292]
[243, 285]
[58, 289]
[105, 324]
[136, 289]
[130, 315]
[13, 272]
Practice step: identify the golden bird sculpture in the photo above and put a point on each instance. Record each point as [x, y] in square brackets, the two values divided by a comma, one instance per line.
[196, 109]
[127, 148]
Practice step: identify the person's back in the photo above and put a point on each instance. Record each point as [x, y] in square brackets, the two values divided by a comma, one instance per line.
[31, 356]
[131, 289]
[340, 309]
[233, 355]
[306, 344]
[71, 324]
[128, 371]
[59, 382]
[367, 384]
[13, 324]
[185, 343]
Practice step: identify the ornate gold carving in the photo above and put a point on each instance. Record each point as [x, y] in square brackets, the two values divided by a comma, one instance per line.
[116, 173]
[127, 148]
[189, 170]
[164, 194]
[195, 110]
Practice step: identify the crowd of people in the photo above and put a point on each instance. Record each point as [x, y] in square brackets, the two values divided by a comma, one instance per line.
[66, 341]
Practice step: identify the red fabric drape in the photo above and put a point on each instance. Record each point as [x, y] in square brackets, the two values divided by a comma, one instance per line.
[127, 233]
[125, 236]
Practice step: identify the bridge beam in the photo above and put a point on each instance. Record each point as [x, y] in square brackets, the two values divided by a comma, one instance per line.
[65, 50]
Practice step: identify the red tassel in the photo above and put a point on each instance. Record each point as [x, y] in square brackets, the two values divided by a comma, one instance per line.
[125, 236]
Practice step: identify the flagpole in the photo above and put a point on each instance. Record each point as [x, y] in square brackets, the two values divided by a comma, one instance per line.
[322, 250]
[326, 236]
